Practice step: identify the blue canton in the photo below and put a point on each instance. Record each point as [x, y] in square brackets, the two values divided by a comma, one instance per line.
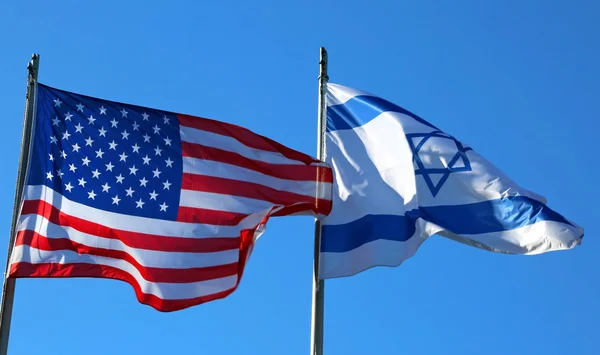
[107, 155]
[459, 162]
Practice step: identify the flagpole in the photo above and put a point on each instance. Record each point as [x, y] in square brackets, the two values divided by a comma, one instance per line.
[8, 289]
[318, 299]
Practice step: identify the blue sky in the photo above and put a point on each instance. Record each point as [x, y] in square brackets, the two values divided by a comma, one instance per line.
[516, 80]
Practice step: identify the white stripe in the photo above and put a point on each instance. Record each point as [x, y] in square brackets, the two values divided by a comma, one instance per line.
[228, 171]
[148, 258]
[380, 252]
[138, 224]
[193, 135]
[532, 239]
[339, 94]
[219, 202]
[163, 290]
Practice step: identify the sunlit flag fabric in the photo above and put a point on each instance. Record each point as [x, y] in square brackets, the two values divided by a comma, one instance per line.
[398, 179]
[170, 203]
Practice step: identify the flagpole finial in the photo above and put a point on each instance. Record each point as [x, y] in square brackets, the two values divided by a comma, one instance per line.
[323, 63]
[33, 65]
[34, 58]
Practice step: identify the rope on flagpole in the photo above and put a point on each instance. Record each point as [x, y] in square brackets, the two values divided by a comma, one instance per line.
[8, 289]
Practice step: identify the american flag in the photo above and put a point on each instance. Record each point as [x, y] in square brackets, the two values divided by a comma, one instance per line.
[170, 203]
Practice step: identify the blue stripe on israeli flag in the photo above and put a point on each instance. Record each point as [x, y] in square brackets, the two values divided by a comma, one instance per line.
[400, 179]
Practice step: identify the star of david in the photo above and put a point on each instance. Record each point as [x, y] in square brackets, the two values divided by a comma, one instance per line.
[458, 163]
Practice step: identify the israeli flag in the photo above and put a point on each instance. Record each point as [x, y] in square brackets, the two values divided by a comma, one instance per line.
[398, 180]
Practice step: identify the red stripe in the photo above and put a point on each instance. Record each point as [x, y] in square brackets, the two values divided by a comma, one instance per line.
[151, 274]
[24, 269]
[206, 216]
[132, 239]
[244, 136]
[302, 207]
[249, 189]
[283, 171]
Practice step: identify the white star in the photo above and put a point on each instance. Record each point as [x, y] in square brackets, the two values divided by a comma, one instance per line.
[82, 182]
[146, 138]
[96, 174]
[167, 141]
[166, 185]
[49, 176]
[145, 115]
[63, 154]
[53, 140]
[86, 161]
[169, 162]
[66, 135]
[68, 116]
[156, 129]
[102, 110]
[146, 160]
[89, 141]
[124, 113]
[51, 157]
[157, 150]
[91, 119]
[76, 147]
[102, 132]
[153, 195]
[156, 173]
[72, 167]
[163, 207]
[130, 192]
[80, 107]
[133, 170]
[166, 119]
[99, 153]
[136, 148]
[105, 187]
[55, 121]
[113, 145]
[116, 200]
[120, 179]
[113, 123]
[135, 126]
[143, 182]
[78, 128]
[59, 173]
[123, 157]
[109, 166]
[125, 134]
[139, 203]
[57, 102]
[91, 195]
[68, 187]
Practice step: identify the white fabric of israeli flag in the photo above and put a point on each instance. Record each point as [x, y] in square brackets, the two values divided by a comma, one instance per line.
[398, 180]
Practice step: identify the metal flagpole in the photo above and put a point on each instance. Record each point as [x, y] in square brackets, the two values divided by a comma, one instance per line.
[8, 290]
[318, 299]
